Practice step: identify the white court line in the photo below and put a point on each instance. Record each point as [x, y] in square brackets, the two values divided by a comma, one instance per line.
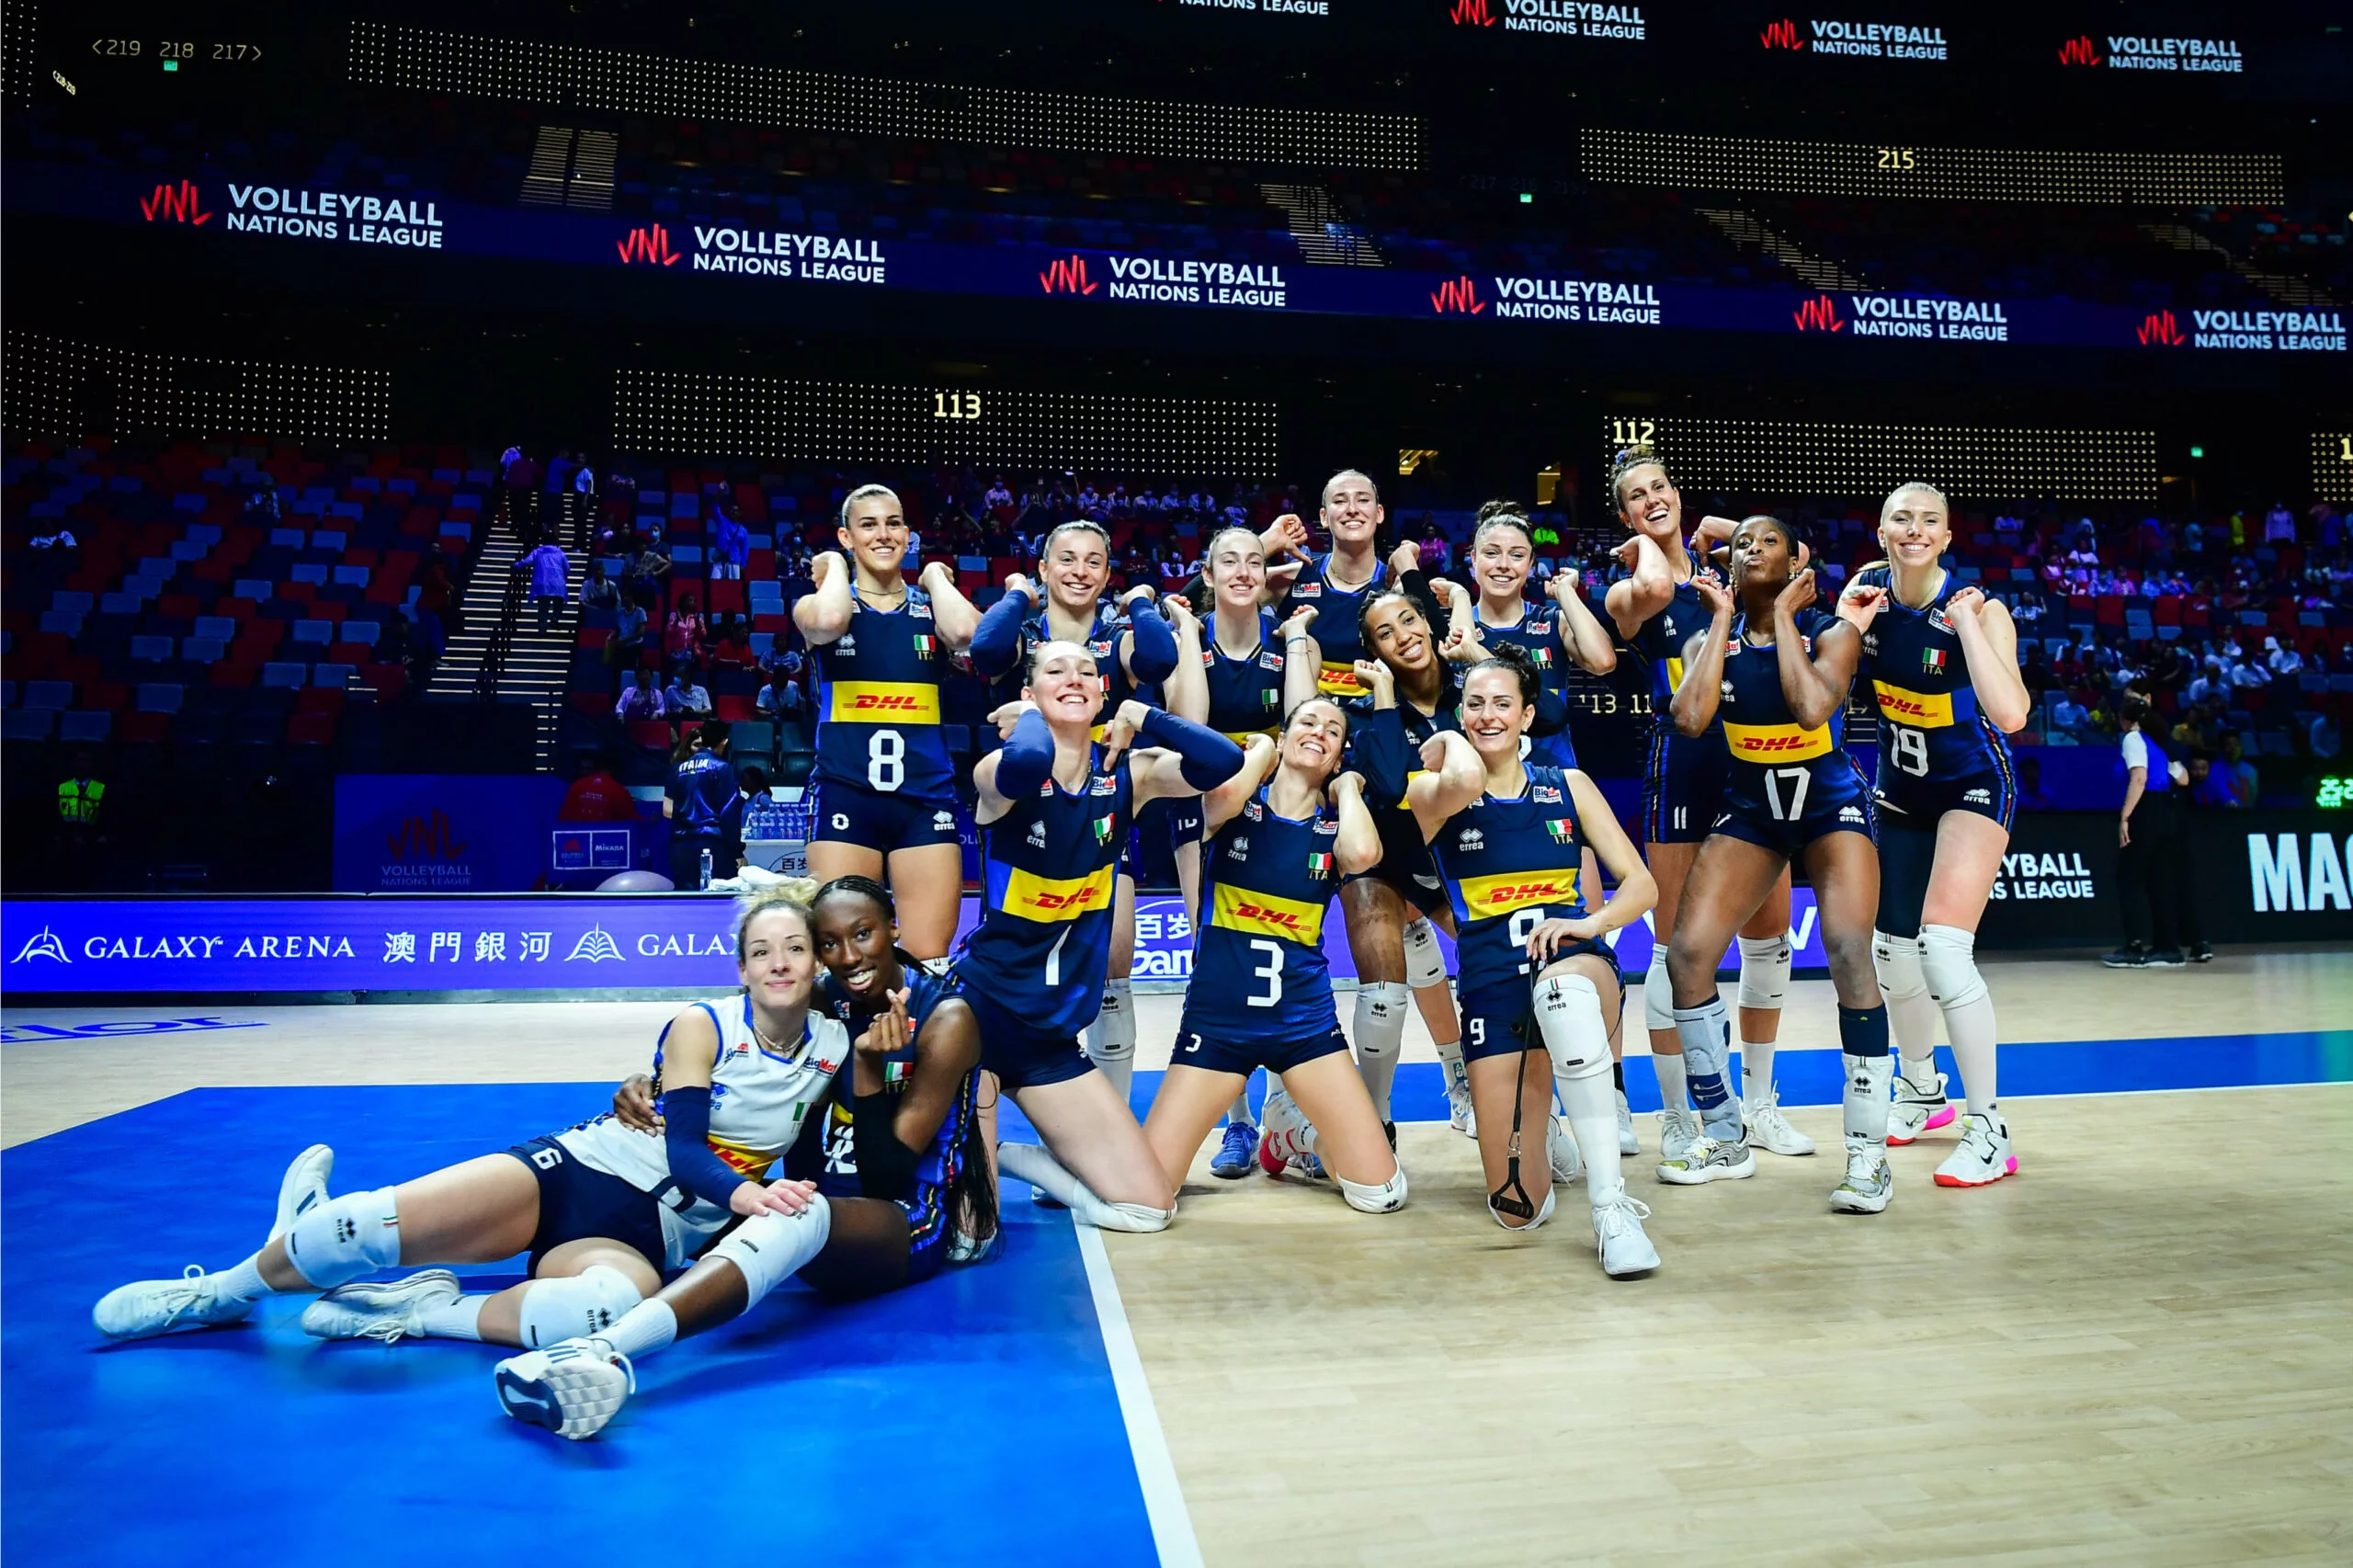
[1163, 1500]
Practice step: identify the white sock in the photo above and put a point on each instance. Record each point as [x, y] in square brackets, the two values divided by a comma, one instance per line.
[1239, 1112]
[646, 1327]
[1380, 1035]
[1968, 1009]
[1674, 1090]
[242, 1283]
[460, 1319]
[1756, 1070]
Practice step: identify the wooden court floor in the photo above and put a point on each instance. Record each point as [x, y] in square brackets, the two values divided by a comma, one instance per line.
[2140, 1351]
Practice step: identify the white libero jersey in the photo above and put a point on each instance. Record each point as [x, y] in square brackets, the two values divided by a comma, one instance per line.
[759, 1100]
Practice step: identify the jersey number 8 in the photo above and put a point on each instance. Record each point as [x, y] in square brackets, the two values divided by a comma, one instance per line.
[886, 760]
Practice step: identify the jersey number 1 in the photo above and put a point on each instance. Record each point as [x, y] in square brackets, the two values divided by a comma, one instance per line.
[1799, 778]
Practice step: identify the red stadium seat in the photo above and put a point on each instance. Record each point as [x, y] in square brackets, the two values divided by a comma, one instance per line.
[325, 700]
[650, 732]
[725, 594]
[146, 727]
[735, 710]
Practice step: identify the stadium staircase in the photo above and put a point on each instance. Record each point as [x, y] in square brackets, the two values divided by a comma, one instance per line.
[501, 657]
[2288, 290]
[1742, 229]
[1325, 236]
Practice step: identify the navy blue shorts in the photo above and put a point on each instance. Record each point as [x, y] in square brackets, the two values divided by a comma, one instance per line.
[1920, 802]
[1176, 821]
[576, 1202]
[1683, 785]
[1499, 1020]
[846, 813]
[1216, 1054]
[1022, 1055]
[1791, 839]
[1407, 866]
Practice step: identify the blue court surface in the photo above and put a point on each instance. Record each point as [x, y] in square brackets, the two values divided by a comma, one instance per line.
[972, 1419]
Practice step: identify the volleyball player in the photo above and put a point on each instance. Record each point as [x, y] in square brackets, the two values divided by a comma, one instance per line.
[1943, 663]
[1255, 670]
[1335, 585]
[1539, 986]
[602, 1210]
[884, 793]
[1770, 675]
[1134, 648]
[1652, 602]
[1281, 834]
[1054, 810]
[1503, 552]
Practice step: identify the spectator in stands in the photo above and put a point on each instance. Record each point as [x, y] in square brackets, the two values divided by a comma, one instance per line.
[2068, 717]
[704, 808]
[559, 471]
[80, 822]
[596, 795]
[584, 493]
[262, 508]
[641, 699]
[731, 642]
[437, 603]
[683, 634]
[641, 580]
[2031, 795]
[685, 697]
[764, 814]
[780, 697]
[2279, 525]
[2236, 773]
[598, 591]
[550, 571]
[2285, 663]
[626, 645]
[730, 544]
[2211, 683]
[58, 538]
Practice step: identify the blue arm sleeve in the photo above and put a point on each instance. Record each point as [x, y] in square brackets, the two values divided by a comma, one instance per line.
[1551, 714]
[1026, 758]
[1208, 758]
[1154, 658]
[997, 643]
[1377, 750]
[686, 1138]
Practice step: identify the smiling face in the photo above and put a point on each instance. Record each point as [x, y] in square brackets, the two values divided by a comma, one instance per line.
[1063, 683]
[1237, 569]
[874, 529]
[1500, 558]
[778, 962]
[1352, 508]
[1760, 556]
[857, 944]
[1399, 636]
[1648, 504]
[1914, 528]
[1313, 740]
[1077, 568]
[1496, 712]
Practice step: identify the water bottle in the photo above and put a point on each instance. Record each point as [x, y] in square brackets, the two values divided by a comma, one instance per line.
[706, 871]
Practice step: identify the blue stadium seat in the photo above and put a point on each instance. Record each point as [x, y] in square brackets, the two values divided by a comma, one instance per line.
[319, 631]
[204, 650]
[47, 694]
[76, 726]
[281, 673]
[221, 626]
[203, 533]
[158, 696]
[357, 577]
[292, 537]
[27, 724]
[151, 648]
[80, 602]
[329, 675]
[307, 572]
[253, 588]
[120, 604]
[328, 538]
[69, 621]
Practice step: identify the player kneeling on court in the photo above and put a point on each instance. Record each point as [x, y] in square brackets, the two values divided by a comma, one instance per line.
[1282, 833]
[1539, 986]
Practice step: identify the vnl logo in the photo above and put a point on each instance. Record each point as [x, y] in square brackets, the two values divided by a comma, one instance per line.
[650, 245]
[1458, 297]
[1818, 314]
[2078, 51]
[2159, 329]
[1783, 34]
[175, 204]
[424, 838]
[1067, 275]
[1472, 14]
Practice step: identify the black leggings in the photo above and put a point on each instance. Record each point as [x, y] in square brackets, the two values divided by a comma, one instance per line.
[2153, 876]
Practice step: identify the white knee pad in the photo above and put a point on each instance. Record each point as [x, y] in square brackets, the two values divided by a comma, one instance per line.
[1658, 991]
[348, 1236]
[1949, 964]
[1425, 965]
[1763, 970]
[769, 1248]
[1386, 1198]
[1897, 961]
[1542, 1214]
[588, 1303]
[1568, 1013]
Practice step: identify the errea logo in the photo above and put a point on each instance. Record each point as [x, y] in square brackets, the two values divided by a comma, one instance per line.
[1469, 840]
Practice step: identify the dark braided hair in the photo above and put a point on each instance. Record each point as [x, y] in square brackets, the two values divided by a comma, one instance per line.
[1515, 661]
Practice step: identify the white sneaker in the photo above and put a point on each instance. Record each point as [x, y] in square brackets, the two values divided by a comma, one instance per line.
[150, 1307]
[1625, 1249]
[1770, 1130]
[303, 1187]
[1917, 1110]
[1984, 1157]
[1560, 1149]
[1708, 1161]
[385, 1310]
[1627, 1143]
[1677, 1131]
[1869, 1181]
[572, 1388]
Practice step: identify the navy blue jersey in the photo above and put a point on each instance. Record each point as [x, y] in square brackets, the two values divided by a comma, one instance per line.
[831, 1160]
[1781, 772]
[1043, 947]
[1930, 728]
[707, 804]
[1102, 639]
[1385, 747]
[1246, 693]
[1510, 864]
[1660, 641]
[1258, 968]
[1335, 626]
[1539, 632]
[877, 690]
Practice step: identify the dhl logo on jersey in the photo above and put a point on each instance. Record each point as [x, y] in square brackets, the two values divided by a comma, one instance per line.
[1338, 680]
[744, 1158]
[883, 702]
[1487, 897]
[1775, 742]
[1053, 899]
[1916, 709]
[1264, 915]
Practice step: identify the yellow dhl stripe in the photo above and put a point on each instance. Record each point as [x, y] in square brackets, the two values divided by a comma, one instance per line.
[1049, 899]
[1264, 915]
[1916, 709]
[1775, 742]
[744, 1158]
[1338, 680]
[1674, 672]
[1405, 801]
[883, 702]
[1487, 897]
[1242, 737]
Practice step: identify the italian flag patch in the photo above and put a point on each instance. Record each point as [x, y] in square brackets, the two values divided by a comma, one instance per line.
[1102, 830]
[1563, 829]
[923, 643]
[1319, 863]
[1932, 658]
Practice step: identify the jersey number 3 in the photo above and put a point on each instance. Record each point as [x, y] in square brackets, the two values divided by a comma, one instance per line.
[1271, 972]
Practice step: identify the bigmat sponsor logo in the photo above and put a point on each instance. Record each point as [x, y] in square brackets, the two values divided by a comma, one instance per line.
[1576, 299]
[2206, 54]
[411, 222]
[1869, 40]
[1561, 19]
[2298, 872]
